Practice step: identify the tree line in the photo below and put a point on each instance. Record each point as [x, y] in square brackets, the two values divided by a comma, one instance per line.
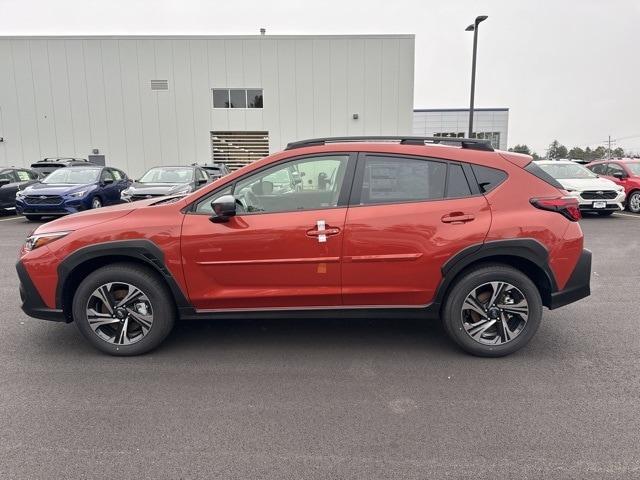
[556, 151]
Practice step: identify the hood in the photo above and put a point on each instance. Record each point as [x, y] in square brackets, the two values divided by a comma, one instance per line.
[55, 188]
[89, 218]
[155, 188]
[588, 184]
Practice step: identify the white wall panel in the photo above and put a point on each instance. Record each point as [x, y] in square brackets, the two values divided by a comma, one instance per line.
[67, 95]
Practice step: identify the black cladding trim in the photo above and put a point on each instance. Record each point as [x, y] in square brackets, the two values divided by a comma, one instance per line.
[141, 249]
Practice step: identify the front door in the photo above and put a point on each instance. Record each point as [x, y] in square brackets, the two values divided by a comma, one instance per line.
[282, 249]
[408, 216]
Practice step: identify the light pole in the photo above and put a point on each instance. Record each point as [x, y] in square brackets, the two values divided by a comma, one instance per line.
[474, 28]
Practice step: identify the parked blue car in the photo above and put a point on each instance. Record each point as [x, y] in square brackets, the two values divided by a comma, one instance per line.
[70, 190]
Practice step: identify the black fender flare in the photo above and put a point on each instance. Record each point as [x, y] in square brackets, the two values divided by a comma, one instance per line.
[141, 250]
[528, 249]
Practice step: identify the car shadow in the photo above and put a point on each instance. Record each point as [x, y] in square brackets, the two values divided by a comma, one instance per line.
[330, 333]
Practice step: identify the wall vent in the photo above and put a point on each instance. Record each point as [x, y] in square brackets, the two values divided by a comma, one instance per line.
[159, 84]
[238, 149]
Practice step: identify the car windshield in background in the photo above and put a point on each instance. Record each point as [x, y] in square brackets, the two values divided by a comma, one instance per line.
[72, 176]
[168, 175]
[634, 168]
[566, 171]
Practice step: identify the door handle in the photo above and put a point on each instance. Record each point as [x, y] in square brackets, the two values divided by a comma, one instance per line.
[457, 217]
[327, 231]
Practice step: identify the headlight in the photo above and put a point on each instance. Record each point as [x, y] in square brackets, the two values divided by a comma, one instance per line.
[79, 194]
[183, 190]
[37, 241]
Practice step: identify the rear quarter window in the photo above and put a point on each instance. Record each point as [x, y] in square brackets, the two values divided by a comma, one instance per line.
[536, 171]
[488, 178]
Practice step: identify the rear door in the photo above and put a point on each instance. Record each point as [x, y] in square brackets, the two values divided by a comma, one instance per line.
[407, 217]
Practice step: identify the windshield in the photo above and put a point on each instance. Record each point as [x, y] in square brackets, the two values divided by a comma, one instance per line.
[567, 171]
[634, 168]
[73, 176]
[168, 175]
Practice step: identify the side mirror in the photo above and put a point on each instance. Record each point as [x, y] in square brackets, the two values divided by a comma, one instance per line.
[107, 181]
[202, 181]
[4, 181]
[224, 208]
[620, 175]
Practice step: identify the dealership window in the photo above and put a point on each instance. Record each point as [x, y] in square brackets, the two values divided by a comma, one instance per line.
[237, 98]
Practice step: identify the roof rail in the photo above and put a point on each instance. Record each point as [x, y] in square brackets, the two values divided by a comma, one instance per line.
[470, 143]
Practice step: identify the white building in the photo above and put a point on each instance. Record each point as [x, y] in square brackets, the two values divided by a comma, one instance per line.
[489, 123]
[145, 101]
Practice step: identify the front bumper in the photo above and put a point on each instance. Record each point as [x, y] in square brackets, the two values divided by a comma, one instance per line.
[66, 208]
[612, 204]
[578, 286]
[32, 303]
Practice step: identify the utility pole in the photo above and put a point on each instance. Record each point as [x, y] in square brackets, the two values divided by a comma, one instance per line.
[609, 142]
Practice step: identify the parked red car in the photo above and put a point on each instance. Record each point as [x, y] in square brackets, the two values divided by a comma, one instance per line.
[625, 173]
[328, 227]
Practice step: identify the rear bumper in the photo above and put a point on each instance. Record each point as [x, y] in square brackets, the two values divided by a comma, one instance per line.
[578, 286]
[32, 303]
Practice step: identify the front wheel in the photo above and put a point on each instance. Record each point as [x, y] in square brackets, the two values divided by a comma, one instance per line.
[633, 202]
[123, 309]
[492, 311]
[96, 202]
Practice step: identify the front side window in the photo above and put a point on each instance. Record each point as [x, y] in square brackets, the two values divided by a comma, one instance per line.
[72, 176]
[614, 169]
[310, 183]
[202, 175]
[634, 168]
[107, 175]
[392, 179]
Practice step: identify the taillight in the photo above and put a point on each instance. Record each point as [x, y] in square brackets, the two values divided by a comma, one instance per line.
[567, 206]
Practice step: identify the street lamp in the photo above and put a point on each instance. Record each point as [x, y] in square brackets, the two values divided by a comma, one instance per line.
[474, 28]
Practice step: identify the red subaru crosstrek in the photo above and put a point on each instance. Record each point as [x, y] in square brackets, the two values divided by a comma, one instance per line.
[334, 227]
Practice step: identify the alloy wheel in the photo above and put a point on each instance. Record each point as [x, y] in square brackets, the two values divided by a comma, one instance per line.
[119, 313]
[494, 313]
[96, 203]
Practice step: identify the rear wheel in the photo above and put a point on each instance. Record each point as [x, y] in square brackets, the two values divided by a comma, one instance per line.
[492, 310]
[633, 202]
[123, 309]
[33, 218]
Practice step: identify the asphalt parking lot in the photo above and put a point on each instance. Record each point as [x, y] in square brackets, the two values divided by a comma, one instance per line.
[330, 399]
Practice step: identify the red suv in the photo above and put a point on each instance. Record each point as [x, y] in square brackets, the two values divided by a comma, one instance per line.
[340, 227]
[625, 173]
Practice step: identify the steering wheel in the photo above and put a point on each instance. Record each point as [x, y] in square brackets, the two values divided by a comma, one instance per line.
[250, 201]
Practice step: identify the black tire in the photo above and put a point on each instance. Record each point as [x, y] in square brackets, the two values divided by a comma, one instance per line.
[33, 218]
[96, 203]
[147, 281]
[452, 317]
[633, 202]
[608, 213]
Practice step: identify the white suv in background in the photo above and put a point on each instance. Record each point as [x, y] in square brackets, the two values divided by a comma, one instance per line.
[594, 193]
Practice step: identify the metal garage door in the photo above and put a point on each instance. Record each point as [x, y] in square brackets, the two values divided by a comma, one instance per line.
[237, 149]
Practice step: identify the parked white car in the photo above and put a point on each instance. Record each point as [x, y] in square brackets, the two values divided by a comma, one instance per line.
[594, 193]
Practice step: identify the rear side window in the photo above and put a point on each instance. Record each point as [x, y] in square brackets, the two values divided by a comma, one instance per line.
[535, 170]
[457, 185]
[390, 180]
[489, 178]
